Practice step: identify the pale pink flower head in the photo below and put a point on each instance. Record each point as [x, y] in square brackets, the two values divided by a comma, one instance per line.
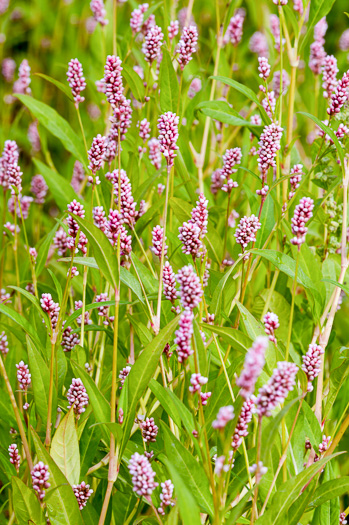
[302, 214]
[39, 188]
[263, 68]
[76, 80]
[158, 234]
[96, 153]
[99, 12]
[15, 458]
[253, 365]
[344, 41]
[8, 68]
[312, 363]
[113, 86]
[187, 45]
[142, 475]
[40, 476]
[245, 418]
[169, 283]
[151, 47]
[190, 287]
[271, 323]
[225, 414]
[23, 376]
[168, 136]
[195, 87]
[277, 389]
[234, 31]
[269, 145]
[340, 95]
[77, 396]
[21, 86]
[82, 493]
[166, 496]
[149, 429]
[298, 6]
[259, 44]
[329, 75]
[184, 334]
[247, 230]
[173, 29]
[3, 343]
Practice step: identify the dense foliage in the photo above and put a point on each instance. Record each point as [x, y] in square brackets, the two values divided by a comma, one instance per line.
[173, 308]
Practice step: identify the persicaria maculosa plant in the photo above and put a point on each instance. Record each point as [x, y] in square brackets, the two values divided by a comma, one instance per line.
[173, 262]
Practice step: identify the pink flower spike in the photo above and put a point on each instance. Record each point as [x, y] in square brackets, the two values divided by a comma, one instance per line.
[184, 335]
[271, 323]
[142, 475]
[187, 45]
[253, 365]
[40, 476]
[312, 363]
[76, 80]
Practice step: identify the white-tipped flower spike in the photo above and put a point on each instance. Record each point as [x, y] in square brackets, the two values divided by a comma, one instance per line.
[234, 31]
[302, 214]
[40, 476]
[225, 414]
[173, 29]
[277, 389]
[50, 307]
[149, 429]
[3, 343]
[21, 86]
[15, 458]
[76, 80]
[253, 365]
[77, 396]
[269, 145]
[246, 231]
[142, 475]
[99, 12]
[152, 44]
[155, 153]
[168, 136]
[297, 173]
[166, 496]
[123, 374]
[190, 287]
[96, 154]
[187, 45]
[184, 335]
[340, 95]
[245, 418]
[158, 234]
[39, 188]
[169, 283]
[271, 323]
[312, 363]
[329, 75]
[113, 86]
[82, 493]
[23, 376]
[264, 68]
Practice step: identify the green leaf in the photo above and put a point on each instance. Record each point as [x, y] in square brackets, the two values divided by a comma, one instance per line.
[100, 406]
[104, 254]
[287, 265]
[40, 382]
[329, 490]
[337, 378]
[65, 89]
[169, 89]
[245, 91]
[323, 126]
[21, 321]
[89, 441]
[88, 307]
[34, 300]
[57, 286]
[237, 339]
[134, 81]
[140, 376]
[288, 492]
[62, 192]
[149, 282]
[65, 448]
[318, 9]
[123, 505]
[189, 470]
[163, 395]
[297, 509]
[188, 508]
[61, 504]
[56, 125]
[26, 504]
[222, 112]
[344, 288]
[43, 250]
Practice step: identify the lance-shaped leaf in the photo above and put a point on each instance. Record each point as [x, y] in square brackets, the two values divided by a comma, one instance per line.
[61, 503]
[26, 505]
[65, 448]
[56, 125]
[103, 251]
[169, 89]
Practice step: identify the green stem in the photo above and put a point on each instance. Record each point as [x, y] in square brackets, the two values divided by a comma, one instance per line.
[292, 305]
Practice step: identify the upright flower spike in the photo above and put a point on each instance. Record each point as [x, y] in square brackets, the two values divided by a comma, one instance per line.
[155, 153]
[259, 44]
[8, 69]
[169, 283]
[10, 172]
[312, 363]
[297, 173]
[302, 214]
[329, 75]
[264, 68]
[275, 30]
[234, 31]
[76, 80]
[246, 231]
[151, 47]
[99, 12]
[144, 129]
[96, 154]
[51, 308]
[21, 86]
[225, 414]
[190, 287]
[168, 136]
[149, 429]
[23, 376]
[187, 45]
[15, 458]
[173, 29]
[39, 188]
[269, 145]
[137, 18]
[127, 203]
[184, 335]
[340, 95]
[277, 389]
[40, 476]
[166, 496]
[253, 365]
[298, 6]
[77, 396]
[82, 493]
[271, 323]
[158, 234]
[3, 343]
[113, 86]
[142, 475]
[245, 418]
